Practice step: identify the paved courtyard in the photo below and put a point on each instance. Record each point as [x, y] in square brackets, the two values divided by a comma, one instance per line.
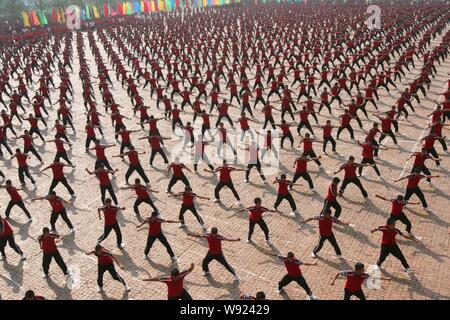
[430, 262]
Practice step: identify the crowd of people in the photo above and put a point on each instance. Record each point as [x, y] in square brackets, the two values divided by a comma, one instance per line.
[275, 65]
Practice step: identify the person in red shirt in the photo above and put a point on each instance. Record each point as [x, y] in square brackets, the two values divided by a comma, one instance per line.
[155, 233]
[58, 210]
[155, 141]
[105, 183]
[326, 231]
[100, 157]
[143, 195]
[284, 186]
[23, 169]
[367, 156]
[413, 186]
[188, 203]
[308, 148]
[135, 165]
[106, 263]
[178, 174]
[389, 244]
[397, 211]
[60, 150]
[355, 279]
[111, 223]
[28, 144]
[7, 237]
[47, 242]
[294, 273]
[225, 180]
[215, 251]
[327, 136]
[345, 120]
[428, 144]
[300, 166]
[419, 162]
[30, 295]
[255, 218]
[58, 176]
[174, 282]
[16, 200]
[350, 175]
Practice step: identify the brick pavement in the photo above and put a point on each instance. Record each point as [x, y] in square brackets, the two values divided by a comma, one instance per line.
[257, 270]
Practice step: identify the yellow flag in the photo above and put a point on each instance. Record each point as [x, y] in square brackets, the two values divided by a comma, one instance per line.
[26, 20]
[96, 14]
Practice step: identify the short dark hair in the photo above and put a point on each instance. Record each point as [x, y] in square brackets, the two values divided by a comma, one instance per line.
[359, 266]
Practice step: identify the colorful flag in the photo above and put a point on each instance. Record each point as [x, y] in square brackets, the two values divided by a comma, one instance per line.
[26, 20]
[119, 9]
[36, 21]
[43, 18]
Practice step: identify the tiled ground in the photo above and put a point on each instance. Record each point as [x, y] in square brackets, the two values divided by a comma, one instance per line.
[257, 270]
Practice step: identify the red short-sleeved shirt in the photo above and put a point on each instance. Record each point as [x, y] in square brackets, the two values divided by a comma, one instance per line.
[301, 165]
[292, 267]
[388, 237]
[110, 215]
[14, 194]
[154, 226]
[57, 169]
[215, 244]
[103, 177]
[174, 288]
[141, 192]
[255, 214]
[48, 243]
[413, 182]
[6, 231]
[105, 258]
[56, 204]
[283, 186]
[22, 160]
[354, 281]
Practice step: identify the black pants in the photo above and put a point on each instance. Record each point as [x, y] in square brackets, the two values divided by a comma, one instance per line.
[262, 224]
[219, 258]
[88, 141]
[349, 128]
[325, 142]
[12, 243]
[54, 217]
[312, 154]
[155, 152]
[4, 143]
[162, 238]
[175, 179]
[108, 230]
[112, 271]
[230, 186]
[258, 167]
[138, 168]
[389, 133]
[20, 204]
[395, 251]
[299, 279]
[139, 201]
[47, 259]
[288, 197]
[404, 219]
[125, 145]
[110, 189]
[418, 192]
[332, 204]
[63, 155]
[369, 161]
[304, 124]
[434, 153]
[423, 169]
[268, 120]
[305, 175]
[105, 163]
[24, 171]
[359, 294]
[355, 181]
[287, 136]
[64, 182]
[184, 296]
[191, 208]
[33, 150]
[333, 242]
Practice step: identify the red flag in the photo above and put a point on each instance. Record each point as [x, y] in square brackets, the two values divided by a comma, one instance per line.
[54, 16]
[105, 10]
[119, 9]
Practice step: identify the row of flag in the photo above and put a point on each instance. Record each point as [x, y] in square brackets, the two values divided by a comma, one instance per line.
[90, 11]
